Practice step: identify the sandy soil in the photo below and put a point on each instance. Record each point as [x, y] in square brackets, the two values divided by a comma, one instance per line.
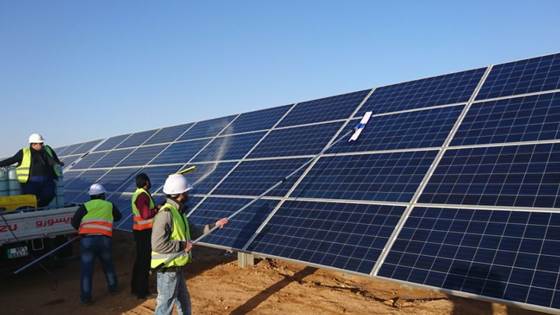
[218, 286]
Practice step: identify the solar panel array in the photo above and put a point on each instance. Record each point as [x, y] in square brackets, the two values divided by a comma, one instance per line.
[453, 184]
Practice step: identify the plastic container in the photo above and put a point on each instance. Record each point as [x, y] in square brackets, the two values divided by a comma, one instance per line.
[14, 187]
[4, 188]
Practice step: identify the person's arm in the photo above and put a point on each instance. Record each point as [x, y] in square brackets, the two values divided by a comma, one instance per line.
[161, 234]
[77, 218]
[14, 159]
[143, 205]
[116, 213]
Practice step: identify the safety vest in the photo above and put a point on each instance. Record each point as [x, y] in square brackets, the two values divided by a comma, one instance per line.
[140, 223]
[22, 171]
[180, 233]
[99, 218]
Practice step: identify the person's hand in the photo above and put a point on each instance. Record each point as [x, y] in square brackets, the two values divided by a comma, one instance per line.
[61, 163]
[188, 246]
[220, 223]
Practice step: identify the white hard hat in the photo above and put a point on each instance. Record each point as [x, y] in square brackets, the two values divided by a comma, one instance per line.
[96, 189]
[36, 138]
[176, 184]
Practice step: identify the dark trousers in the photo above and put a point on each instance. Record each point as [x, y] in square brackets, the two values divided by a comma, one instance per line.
[42, 187]
[141, 271]
[93, 246]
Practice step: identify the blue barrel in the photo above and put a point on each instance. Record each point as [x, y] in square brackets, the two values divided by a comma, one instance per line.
[4, 188]
[60, 189]
[14, 187]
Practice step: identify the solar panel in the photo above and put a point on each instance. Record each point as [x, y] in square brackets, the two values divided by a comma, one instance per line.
[510, 255]
[343, 236]
[524, 76]
[296, 141]
[511, 120]
[68, 160]
[142, 156]
[257, 120]
[252, 178]
[522, 176]
[381, 177]
[111, 143]
[229, 147]
[180, 152]
[241, 229]
[446, 89]
[86, 147]
[325, 109]
[88, 160]
[426, 128]
[168, 134]
[453, 184]
[112, 158]
[207, 128]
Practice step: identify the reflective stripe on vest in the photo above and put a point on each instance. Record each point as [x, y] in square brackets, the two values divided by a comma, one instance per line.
[141, 224]
[99, 218]
[22, 171]
[180, 233]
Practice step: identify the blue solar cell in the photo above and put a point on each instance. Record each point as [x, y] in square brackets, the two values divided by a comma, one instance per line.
[180, 152]
[240, 228]
[324, 109]
[499, 254]
[525, 76]
[61, 151]
[84, 180]
[344, 236]
[70, 149]
[252, 178]
[441, 90]
[207, 176]
[86, 146]
[142, 155]
[511, 120]
[70, 176]
[229, 147]
[71, 197]
[168, 134]
[88, 160]
[136, 139]
[68, 160]
[116, 177]
[426, 128]
[192, 202]
[112, 158]
[296, 141]
[207, 128]
[122, 202]
[381, 177]
[157, 176]
[525, 176]
[257, 120]
[111, 143]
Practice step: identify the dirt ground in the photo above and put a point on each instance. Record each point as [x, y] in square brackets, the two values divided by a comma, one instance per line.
[218, 286]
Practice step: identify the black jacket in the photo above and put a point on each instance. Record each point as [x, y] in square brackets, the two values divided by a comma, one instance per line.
[42, 164]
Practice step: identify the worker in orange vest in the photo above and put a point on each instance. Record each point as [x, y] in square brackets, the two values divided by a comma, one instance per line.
[94, 222]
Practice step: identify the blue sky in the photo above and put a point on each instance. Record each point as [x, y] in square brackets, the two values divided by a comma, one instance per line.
[83, 70]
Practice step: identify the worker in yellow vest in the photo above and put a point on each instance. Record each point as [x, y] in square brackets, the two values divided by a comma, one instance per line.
[143, 211]
[37, 169]
[94, 222]
[171, 234]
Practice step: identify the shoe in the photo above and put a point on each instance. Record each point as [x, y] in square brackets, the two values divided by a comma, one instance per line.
[86, 302]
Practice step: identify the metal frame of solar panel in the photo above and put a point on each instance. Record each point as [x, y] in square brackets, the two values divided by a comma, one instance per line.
[467, 161]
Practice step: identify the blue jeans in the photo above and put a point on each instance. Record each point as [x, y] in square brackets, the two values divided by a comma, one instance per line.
[92, 246]
[172, 289]
[42, 187]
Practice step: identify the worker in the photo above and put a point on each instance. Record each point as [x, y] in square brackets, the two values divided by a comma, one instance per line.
[172, 234]
[94, 222]
[143, 210]
[37, 169]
